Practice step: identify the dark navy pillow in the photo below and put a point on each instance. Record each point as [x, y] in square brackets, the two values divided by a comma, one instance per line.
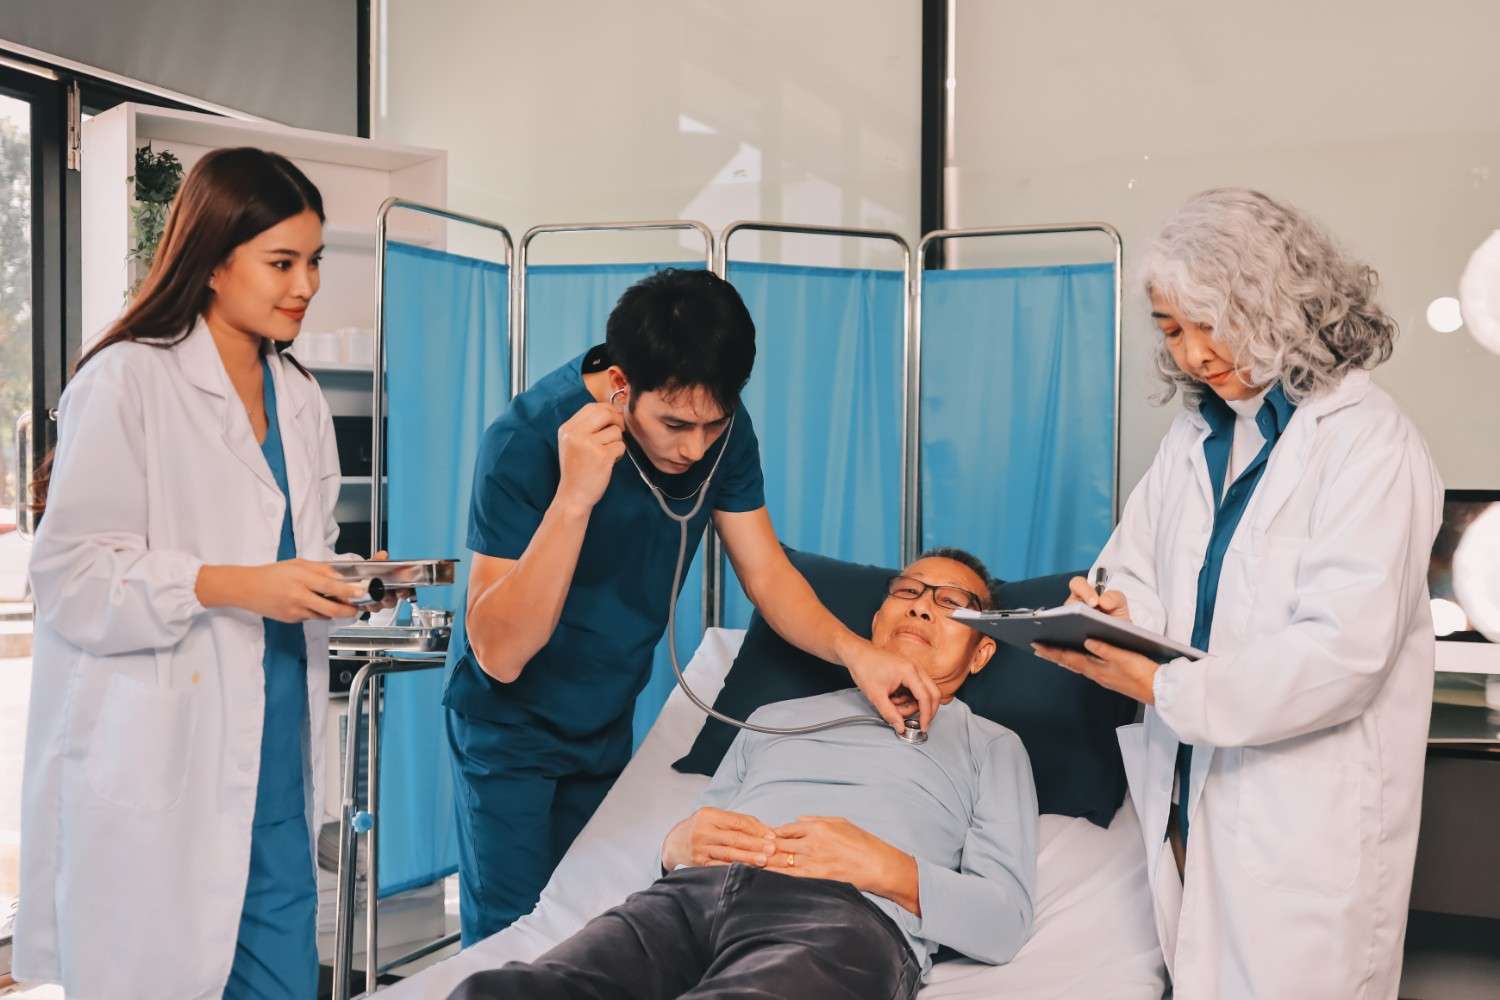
[1066, 722]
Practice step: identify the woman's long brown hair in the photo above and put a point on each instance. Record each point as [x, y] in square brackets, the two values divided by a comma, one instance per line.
[229, 197]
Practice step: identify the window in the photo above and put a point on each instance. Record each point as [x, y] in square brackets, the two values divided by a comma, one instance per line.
[40, 111]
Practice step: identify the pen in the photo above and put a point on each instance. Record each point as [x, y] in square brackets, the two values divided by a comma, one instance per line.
[1101, 576]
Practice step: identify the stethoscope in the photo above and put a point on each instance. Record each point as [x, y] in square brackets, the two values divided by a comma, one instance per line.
[912, 732]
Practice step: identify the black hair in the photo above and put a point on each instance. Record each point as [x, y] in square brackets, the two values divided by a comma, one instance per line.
[681, 329]
[974, 564]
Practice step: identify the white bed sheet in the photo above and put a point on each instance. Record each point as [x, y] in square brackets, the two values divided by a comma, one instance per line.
[1094, 934]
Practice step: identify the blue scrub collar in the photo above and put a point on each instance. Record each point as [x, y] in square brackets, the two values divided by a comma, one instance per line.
[1274, 416]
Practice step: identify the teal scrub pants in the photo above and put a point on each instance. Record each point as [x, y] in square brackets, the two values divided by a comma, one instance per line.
[522, 793]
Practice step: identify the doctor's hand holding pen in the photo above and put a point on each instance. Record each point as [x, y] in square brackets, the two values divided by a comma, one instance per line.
[1111, 602]
[1130, 674]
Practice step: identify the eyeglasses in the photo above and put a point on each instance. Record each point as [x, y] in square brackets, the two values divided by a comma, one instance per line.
[948, 598]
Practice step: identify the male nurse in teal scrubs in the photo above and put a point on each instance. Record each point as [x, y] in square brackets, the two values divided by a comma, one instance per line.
[572, 568]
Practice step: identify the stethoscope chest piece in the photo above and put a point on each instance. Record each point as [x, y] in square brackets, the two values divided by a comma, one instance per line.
[912, 733]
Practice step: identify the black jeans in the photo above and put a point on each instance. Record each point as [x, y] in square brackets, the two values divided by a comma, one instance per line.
[727, 931]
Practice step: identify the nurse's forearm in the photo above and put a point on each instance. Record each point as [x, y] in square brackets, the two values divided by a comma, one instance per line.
[780, 593]
[788, 604]
[512, 618]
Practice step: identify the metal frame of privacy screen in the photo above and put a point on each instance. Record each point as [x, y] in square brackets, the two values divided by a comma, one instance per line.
[369, 681]
[911, 488]
[518, 338]
[377, 399]
[715, 559]
[518, 319]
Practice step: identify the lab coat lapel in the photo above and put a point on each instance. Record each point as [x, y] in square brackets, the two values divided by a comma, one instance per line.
[296, 439]
[204, 368]
[1200, 465]
[1202, 755]
[1282, 475]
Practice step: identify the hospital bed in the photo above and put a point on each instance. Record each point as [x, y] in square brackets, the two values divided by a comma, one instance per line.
[1094, 935]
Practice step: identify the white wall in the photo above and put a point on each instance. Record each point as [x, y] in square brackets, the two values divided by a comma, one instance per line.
[290, 61]
[577, 110]
[1380, 119]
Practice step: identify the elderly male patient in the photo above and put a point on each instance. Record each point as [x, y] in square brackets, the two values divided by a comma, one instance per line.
[832, 864]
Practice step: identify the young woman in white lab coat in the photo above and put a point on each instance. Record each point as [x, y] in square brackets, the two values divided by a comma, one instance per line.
[171, 790]
[1285, 527]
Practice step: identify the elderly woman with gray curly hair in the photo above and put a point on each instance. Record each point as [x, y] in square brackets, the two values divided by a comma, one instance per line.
[1284, 528]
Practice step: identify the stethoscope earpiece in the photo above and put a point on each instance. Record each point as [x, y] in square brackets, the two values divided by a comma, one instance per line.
[617, 394]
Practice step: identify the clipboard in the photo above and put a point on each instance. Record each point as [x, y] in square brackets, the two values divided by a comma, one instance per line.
[1069, 626]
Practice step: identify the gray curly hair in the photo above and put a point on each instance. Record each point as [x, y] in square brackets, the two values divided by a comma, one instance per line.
[1275, 289]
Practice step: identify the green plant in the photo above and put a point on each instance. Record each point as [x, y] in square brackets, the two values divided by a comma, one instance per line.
[157, 178]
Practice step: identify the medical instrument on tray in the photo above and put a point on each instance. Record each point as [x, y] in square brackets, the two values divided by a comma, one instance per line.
[398, 574]
[374, 594]
[912, 725]
[381, 576]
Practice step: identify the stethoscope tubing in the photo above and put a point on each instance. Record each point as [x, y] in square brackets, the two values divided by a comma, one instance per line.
[682, 525]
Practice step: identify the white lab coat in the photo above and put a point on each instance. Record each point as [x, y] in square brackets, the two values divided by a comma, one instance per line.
[1309, 718]
[143, 740]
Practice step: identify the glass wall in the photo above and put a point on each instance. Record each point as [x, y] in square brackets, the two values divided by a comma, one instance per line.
[1383, 121]
[15, 401]
[576, 111]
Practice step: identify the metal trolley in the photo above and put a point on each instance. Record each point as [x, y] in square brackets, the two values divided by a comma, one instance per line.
[383, 650]
[358, 820]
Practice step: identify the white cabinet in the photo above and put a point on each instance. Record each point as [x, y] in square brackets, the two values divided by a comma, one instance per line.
[354, 177]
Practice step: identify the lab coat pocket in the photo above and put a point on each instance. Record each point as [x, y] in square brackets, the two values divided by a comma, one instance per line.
[1299, 820]
[138, 754]
[1273, 581]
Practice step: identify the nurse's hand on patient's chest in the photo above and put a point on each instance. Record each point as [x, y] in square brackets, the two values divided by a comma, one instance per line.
[718, 837]
[589, 444]
[891, 682]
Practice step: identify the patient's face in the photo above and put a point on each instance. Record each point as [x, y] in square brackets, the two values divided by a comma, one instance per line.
[922, 628]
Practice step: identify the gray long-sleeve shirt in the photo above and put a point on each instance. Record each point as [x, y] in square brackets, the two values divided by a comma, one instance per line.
[963, 804]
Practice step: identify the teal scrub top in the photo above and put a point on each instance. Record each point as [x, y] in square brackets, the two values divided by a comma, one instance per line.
[585, 679]
[276, 948]
[279, 795]
[1275, 414]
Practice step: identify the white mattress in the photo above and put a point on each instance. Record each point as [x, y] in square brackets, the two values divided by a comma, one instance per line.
[1094, 934]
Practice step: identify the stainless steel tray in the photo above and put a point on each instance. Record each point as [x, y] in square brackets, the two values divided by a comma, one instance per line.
[399, 573]
[388, 638]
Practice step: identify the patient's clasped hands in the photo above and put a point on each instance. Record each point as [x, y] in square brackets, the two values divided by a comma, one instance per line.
[826, 847]
[717, 837]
